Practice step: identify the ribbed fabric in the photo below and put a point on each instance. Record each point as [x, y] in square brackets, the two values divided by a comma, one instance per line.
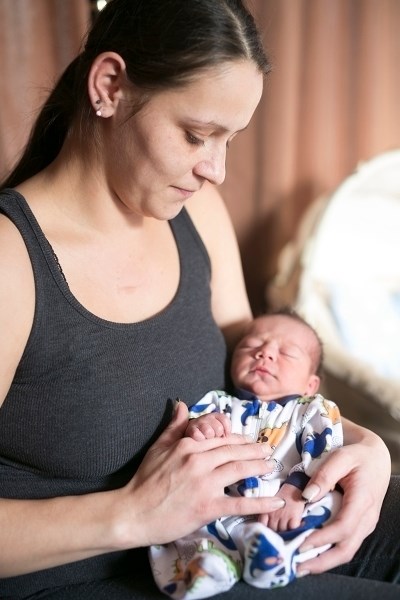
[89, 396]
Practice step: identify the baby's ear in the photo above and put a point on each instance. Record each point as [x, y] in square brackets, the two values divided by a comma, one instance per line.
[313, 385]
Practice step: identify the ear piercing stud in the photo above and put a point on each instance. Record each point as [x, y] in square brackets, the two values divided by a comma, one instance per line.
[98, 111]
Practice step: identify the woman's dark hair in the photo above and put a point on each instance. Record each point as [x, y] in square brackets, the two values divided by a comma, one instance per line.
[164, 44]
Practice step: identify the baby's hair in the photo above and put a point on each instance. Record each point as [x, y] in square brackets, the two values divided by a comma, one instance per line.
[289, 311]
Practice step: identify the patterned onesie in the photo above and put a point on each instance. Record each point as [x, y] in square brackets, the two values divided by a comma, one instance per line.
[301, 430]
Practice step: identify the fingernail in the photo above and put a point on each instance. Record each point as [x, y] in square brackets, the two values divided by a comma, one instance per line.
[271, 462]
[311, 491]
[267, 450]
[175, 405]
[305, 548]
[277, 502]
[302, 573]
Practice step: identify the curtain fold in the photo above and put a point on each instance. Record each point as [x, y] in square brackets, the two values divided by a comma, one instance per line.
[39, 39]
[331, 101]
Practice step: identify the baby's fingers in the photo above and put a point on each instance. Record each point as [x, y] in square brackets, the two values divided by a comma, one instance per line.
[208, 427]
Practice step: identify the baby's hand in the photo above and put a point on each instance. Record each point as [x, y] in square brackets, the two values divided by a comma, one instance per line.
[288, 517]
[208, 426]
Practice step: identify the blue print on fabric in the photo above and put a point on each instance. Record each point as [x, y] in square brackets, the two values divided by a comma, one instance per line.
[250, 409]
[170, 589]
[308, 522]
[264, 555]
[199, 408]
[250, 483]
[218, 530]
[316, 444]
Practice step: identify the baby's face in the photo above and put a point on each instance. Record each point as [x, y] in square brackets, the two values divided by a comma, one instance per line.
[276, 358]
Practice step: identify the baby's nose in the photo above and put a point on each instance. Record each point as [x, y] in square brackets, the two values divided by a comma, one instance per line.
[267, 350]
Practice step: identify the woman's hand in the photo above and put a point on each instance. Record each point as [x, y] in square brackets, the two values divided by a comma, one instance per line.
[362, 469]
[180, 484]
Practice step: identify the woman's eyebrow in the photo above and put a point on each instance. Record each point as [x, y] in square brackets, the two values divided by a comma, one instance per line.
[214, 125]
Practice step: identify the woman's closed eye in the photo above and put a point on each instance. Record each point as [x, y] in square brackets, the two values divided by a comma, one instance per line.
[194, 140]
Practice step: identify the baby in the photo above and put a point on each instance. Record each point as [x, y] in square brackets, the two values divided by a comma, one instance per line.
[276, 370]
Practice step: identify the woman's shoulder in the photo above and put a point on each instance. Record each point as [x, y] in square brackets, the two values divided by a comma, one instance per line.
[205, 201]
[210, 216]
[15, 265]
[230, 304]
[12, 246]
[17, 300]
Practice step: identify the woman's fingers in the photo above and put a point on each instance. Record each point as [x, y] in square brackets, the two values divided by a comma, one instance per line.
[358, 514]
[215, 451]
[234, 467]
[227, 459]
[346, 464]
[249, 506]
[180, 484]
[175, 429]
[325, 479]
[178, 489]
[345, 533]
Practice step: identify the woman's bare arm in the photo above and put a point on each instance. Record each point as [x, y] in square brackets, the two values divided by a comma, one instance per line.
[156, 506]
[230, 303]
[17, 302]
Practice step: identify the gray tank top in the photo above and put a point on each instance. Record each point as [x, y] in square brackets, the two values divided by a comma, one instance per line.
[90, 396]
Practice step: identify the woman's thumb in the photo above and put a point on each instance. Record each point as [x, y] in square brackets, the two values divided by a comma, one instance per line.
[176, 428]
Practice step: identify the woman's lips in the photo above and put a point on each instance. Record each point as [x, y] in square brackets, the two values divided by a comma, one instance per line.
[183, 192]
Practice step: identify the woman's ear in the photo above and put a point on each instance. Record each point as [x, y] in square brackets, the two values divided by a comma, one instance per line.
[106, 83]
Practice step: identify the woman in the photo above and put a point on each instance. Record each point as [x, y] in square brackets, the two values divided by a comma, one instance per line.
[114, 248]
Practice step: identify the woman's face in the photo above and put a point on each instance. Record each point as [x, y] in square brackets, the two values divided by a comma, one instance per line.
[158, 158]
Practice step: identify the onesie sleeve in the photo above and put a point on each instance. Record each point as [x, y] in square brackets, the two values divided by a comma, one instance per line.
[214, 401]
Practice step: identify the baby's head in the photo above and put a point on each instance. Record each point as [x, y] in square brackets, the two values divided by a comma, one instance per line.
[280, 354]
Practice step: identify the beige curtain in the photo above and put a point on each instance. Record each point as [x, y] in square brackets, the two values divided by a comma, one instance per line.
[39, 38]
[331, 101]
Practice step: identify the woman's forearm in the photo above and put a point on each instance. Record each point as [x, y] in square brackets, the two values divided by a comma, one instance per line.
[355, 434]
[155, 507]
[40, 534]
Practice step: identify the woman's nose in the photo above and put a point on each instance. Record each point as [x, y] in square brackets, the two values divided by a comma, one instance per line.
[213, 168]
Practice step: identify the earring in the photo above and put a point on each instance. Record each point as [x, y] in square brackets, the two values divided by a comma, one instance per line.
[98, 111]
